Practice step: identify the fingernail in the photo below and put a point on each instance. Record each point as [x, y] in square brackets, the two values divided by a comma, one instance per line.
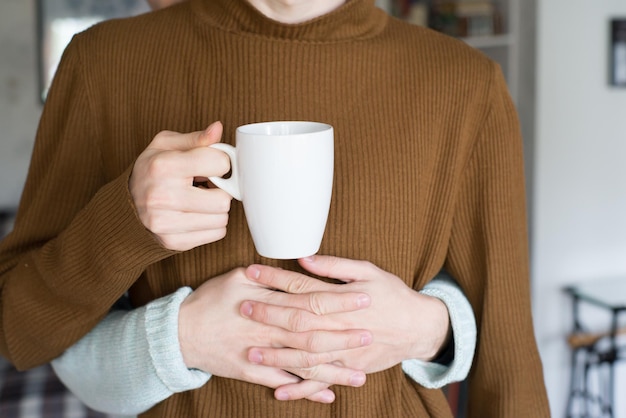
[363, 301]
[255, 357]
[328, 396]
[246, 309]
[253, 273]
[366, 339]
[309, 259]
[282, 396]
[357, 379]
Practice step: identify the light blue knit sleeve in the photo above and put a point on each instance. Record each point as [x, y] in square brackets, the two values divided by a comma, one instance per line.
[463, 323]
[130, 361]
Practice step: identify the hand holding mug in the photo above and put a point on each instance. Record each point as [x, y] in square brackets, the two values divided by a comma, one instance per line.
[180, 215]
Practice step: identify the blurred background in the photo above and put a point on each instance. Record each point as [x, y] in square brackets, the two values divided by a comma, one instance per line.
[565, 62]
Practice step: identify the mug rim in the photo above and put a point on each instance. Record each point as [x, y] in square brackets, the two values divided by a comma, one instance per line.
[269, 128]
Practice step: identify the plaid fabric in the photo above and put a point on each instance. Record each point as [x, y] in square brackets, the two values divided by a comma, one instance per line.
[38, 393]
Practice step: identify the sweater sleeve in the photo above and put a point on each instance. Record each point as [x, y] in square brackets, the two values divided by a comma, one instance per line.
[433, 375]
[77, 243]
[488, 256]
[130, 361]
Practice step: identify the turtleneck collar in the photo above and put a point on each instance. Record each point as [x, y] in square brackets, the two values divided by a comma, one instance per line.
[353, 20]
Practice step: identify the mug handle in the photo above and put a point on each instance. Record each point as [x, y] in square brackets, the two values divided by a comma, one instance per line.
[231, 184]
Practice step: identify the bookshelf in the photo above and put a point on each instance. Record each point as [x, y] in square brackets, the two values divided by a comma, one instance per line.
[498, 39]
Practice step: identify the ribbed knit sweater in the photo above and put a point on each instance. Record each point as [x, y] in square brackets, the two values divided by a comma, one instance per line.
[428, 174]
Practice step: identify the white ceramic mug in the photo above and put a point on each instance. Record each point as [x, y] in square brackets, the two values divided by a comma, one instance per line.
[283, 174]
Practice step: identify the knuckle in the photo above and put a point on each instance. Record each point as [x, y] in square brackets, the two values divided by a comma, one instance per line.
[309, 361]
[368, 265]
[157, 197]
[224, 163]
[154, 223]
[248, 375]
[312, 342]
[159, 165]
[170, 243]
[222, 220]
[262, 335]
[358, 364]
[316, 304]
[239, 272]
[298, 285]
[261, 314]
[307, 372]
[220, 233]
[163, 135]
[236, 274]
[223, 201]
[221, 162]
[297, 321]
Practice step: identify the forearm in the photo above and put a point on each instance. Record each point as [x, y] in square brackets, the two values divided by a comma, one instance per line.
[131, 360]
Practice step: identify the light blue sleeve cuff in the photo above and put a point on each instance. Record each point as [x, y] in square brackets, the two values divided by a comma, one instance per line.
[463, 323]
[131, 360]
[162, 334]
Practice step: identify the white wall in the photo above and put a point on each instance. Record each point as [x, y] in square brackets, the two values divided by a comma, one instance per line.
[579, 202]
[19, 105]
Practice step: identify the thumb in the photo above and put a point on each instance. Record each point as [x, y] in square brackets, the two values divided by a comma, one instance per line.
[211, 135]
[175, 141]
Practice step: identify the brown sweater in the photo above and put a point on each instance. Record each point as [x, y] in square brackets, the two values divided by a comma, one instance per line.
[428, 175]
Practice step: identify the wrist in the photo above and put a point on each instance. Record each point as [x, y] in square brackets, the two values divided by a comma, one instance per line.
[162, 330]
[185, 334]
[434, 333]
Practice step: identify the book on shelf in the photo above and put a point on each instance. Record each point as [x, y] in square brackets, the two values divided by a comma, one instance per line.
[460, 18]
[473, 8]
[465, 18]
[418, 14]
[413, 11]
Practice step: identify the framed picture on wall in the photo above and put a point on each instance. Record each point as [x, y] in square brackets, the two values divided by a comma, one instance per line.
[59, 20]
[618, 52]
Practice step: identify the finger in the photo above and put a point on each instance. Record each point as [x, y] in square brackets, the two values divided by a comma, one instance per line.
[287, 281]
[343, 269]
[188, 200]
[331, 374]
[174, 141]
[306, 389]
[185, 165]
[166, 222]
[321, 303]
[289, 386]
[269, 377]
[323, 396]
[291, 319]
[308, 349]
[189, 240]
[204, 162]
